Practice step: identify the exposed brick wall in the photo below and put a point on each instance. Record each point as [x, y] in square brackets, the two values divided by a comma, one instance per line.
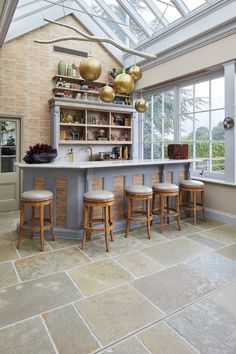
[26, 71]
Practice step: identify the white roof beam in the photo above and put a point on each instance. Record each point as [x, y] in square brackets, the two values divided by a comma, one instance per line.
[6, 15]
[181, 7]
[152, 6]
[116, 19]
[136, 17]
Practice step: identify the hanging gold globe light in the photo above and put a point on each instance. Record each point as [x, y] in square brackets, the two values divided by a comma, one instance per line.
[135, 72]
[107, 94]
[90, 69]
[141, 105]
[124, 83]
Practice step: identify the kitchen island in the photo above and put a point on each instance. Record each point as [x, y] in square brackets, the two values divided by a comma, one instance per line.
[70, 180]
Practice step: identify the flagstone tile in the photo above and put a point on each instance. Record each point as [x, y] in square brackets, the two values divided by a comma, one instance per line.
[225, 234]
[161, 338]
[138, 264]
[204, 225]
[140, 234]
[31, 247]
[129, 346]
[26, 337]
[8, 252]
[7, 226]
[117, 313]
[175, 251]
[215, 267]
[229, 252]
[63, 242]
[174, 287]
[96, 249]
[207, 326]
[99, 276]
[226, 298]
[50, 262]
[8, 237]
[206, 241]
[69, 332]
[171, 231]
[27, 299]
[7, 274]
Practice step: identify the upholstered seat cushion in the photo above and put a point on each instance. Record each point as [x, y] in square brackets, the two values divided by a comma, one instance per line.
[165, 187]
[189, 183]
[138, 189]
[36, 195]
[98, 195]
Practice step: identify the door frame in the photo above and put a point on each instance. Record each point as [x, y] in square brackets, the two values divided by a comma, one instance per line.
[18, 117]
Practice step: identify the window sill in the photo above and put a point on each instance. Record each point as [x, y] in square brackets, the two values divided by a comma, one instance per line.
[213, 180]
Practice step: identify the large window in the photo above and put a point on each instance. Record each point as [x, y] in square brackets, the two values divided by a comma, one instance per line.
[191, 114]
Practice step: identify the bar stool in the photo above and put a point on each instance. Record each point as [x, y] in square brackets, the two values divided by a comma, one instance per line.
[104, 200]
[193, 187]
[138, 193]
[166, 190]
[36, 198]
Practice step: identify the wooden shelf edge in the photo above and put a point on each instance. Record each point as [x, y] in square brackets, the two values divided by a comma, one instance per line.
[94, 142]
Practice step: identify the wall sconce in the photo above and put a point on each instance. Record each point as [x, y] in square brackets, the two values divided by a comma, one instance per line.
[228, 123]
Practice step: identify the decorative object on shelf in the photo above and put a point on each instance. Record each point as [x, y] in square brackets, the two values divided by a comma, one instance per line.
[228, 123]
[70, 71]
[112, 75]
[107, 94]
[141, 105]
[135, 72]
[76, 68]
[89, 38]
[61, 68]
[124, 83]
[74, 133]
[40, 153]
[90, 69]
[101, 135]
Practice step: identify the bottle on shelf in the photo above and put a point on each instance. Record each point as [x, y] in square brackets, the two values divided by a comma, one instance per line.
[71, 155]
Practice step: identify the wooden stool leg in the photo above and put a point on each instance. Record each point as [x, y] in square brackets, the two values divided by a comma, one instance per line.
[148, 212]
[85, 225]
[153, 204]
[32, 221]
[168, 208]
[106, 229]
[42, 227]
[90, 221]
[128, 215]
[110, 221]
[178, 211]
[22, 213]
[195, 207]
[51, 220]
[162, 211]
[203, 205]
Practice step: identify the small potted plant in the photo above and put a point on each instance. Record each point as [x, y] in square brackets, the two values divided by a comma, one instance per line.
[10, 147]
[40, 153]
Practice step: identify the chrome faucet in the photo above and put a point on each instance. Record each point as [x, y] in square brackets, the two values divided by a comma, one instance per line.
[90, 152]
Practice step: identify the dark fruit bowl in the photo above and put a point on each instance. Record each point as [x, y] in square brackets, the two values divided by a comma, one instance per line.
[42, 157]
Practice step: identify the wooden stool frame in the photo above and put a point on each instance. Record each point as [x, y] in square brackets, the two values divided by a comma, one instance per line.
[161, 210]
[193, 206]
[34, 228]
[131, 213]
[89, 220]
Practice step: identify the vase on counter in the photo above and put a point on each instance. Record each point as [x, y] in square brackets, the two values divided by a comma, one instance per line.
[61, 68]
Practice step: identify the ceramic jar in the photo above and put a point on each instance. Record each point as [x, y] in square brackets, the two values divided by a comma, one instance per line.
[61, 68]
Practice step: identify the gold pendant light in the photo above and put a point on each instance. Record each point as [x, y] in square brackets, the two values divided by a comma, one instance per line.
[141, 105]
[135, 72]
[107, 94]
[124, 83]
[90, 69]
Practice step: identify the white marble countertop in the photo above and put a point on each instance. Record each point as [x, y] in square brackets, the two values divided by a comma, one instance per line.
[101, 164]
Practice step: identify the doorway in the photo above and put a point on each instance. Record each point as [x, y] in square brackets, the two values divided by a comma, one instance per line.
[10, 153]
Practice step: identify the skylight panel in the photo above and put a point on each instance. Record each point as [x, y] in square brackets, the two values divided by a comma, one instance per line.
[193, 4]
[144, 12]
[167, 10]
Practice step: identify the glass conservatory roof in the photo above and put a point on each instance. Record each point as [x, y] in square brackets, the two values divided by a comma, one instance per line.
[128, 21]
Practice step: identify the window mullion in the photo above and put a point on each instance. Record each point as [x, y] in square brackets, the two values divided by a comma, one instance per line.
[210, 128]
[152, 117]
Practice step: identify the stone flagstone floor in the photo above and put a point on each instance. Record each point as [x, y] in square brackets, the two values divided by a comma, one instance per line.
[173, 294]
